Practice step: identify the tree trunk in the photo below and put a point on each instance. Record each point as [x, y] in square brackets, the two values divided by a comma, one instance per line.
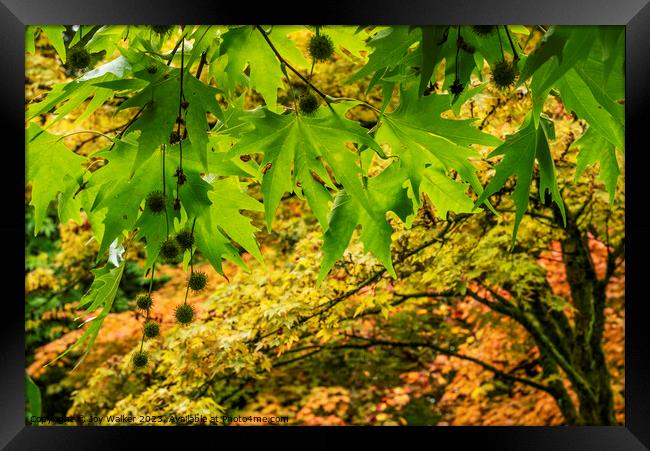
[588, 298]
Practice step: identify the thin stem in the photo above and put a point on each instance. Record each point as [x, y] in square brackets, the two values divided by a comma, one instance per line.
[187, 290]
[175, 49]
[458, 38]
[181, 95]
[191, 264]
[365, 103]
[83, 40]
[128, 124]
[153, 269]
[164, 190]
[500, 44]
[85, 131]
[163, 170]
[202, 62]
[512, 45]
[282, 60]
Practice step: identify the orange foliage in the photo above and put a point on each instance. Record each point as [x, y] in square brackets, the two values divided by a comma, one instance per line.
[473, 397]
[122, 331]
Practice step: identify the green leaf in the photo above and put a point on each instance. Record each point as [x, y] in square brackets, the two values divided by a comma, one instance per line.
[119, 67]
[70, 96]
[30, 35]
[295, 148]
[431, 51]
[577, 47]
[244, 46]
[552, 45]
[420, 137]
[348, 38]
[519, 153]
[594, 148]
[562, 49]
[228, 200]
[159, 103]
[121, 196]
[577, 96]
[202, 36]
[202, 99]
[612, 39]
[487, 47]
[386, 193]
[458, 64]
[390, 48]
[100, 97]
[520, 29]
[50, 167]
[153, 229]
[55, 35]
[464, 96]
[609, 76]
[33, 397]
[445, 194]
[214, 245]
[101, 294]
[129, 84]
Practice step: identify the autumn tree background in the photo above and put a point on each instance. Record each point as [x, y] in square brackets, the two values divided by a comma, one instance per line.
[440, 242]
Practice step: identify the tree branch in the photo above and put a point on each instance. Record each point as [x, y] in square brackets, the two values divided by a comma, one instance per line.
[445, 351]
[294, 70]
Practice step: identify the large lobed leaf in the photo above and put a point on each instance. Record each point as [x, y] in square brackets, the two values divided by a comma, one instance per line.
[519, 154]
[295, 148]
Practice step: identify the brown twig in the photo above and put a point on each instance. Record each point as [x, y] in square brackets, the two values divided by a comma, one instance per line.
[295, 71]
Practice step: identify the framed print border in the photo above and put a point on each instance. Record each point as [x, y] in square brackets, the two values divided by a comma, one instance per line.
[634, 14]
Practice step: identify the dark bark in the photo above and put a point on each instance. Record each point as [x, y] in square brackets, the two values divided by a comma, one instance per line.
[588, 297]
[570, 348]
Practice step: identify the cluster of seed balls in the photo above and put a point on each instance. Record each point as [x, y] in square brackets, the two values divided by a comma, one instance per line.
[184, 314]
[170, 249]
[504, 73]
[320, 48]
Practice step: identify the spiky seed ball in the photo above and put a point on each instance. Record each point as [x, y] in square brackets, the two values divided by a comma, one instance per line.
[321, 47]
[78, 58]
[185, 104]
[144, 302]
[308, 104]
[151, 329]
[161, 29]
[169, 249]
[504, 74]
[140, 359]
[174, 137]
[155, 202]
[185, 239]
[152, 68]
[456, 87]
[484, 30]
[184, 313]
[198, 280]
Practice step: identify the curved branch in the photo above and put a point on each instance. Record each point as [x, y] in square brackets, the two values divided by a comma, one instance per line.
[441, 350]
[294, 70]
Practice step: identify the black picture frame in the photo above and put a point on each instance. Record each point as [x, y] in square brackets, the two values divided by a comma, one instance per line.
[634, 14]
